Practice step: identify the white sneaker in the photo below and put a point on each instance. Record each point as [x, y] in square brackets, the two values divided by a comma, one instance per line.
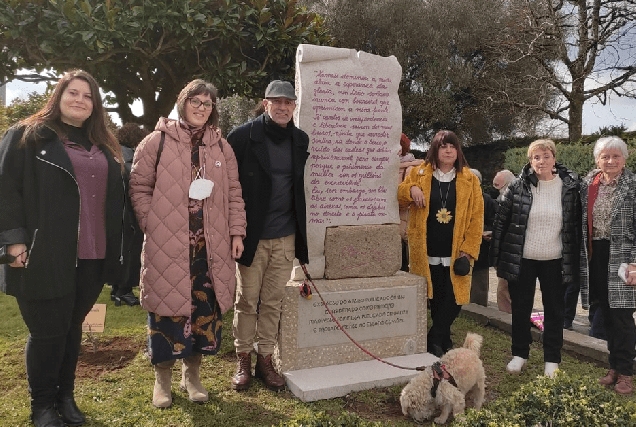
[550, 369]
[516, 365]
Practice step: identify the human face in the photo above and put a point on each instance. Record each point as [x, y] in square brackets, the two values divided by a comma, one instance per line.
[76, 103]
[198, 116]
[280, 110]
[542, 161]
[447, 156]
[611, 162]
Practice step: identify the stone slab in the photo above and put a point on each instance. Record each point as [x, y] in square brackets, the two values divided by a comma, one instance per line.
[362, 251]
[386, 315]
[348, 103]
[333, 381]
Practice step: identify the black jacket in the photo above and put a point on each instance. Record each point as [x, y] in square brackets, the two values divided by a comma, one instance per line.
[509, 229]
[40, 208]
[248, 142]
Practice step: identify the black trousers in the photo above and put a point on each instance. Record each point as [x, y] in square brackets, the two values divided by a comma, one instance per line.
[55, 334]
[620, 330]
[572, 291]
[522, 297]
[444, 309]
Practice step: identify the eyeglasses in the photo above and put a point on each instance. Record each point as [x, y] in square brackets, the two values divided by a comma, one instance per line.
[196, 103]
[282, 102]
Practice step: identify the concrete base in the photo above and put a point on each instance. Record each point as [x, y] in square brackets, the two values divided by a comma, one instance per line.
[332, 381]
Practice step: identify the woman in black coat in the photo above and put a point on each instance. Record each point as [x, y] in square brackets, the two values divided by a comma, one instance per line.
[536, 235]
[62, 220]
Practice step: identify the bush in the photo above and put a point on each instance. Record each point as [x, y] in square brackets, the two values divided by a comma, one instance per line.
[564, 401]
[321, 419]
[577, 157]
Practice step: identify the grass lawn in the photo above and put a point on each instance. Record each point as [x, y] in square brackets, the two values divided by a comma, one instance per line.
[114, 385]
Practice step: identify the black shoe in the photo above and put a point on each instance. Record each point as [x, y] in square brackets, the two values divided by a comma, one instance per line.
[436, 350]
[128, 299]
[46, 416]
[567, 324]
[69, 411]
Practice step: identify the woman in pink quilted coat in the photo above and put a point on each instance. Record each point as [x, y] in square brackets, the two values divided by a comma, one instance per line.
[186, 194]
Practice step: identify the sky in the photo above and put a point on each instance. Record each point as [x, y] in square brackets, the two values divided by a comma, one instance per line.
[617, 111]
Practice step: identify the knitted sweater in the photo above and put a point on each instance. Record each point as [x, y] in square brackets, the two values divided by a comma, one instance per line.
[543, 233]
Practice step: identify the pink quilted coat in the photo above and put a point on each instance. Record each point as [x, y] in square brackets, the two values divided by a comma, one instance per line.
[160, 201]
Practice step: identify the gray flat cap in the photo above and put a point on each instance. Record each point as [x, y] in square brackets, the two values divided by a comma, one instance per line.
[280, 89]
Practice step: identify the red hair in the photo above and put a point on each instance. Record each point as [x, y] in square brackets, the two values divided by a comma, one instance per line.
[405, 143]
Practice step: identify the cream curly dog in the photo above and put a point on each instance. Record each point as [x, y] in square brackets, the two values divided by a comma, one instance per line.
[446, 384]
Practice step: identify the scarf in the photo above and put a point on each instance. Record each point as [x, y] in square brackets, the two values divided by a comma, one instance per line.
[276, 132]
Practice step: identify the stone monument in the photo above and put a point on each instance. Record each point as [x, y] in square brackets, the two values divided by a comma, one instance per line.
[348, 104]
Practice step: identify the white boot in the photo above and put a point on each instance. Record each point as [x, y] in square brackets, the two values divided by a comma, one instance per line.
[550, 369]
[190, 380]
[516, 365]
[162, 393]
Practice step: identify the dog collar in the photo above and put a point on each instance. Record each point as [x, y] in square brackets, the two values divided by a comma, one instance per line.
[440, 373]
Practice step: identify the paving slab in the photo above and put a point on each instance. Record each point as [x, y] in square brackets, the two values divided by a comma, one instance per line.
[328, 382]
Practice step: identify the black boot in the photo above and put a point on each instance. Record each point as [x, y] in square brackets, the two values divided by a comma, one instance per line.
[45, 416]
[69, 411]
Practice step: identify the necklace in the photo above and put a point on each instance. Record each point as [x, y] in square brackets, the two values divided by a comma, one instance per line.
[443, 215]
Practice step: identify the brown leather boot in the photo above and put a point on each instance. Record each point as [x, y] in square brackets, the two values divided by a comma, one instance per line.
[624, 385]
[265, 371]
[243, 376]
[609, 378]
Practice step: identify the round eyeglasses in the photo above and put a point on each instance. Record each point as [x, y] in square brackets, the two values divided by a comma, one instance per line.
[196, 103]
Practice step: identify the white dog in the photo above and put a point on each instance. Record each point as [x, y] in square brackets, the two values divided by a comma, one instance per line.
[446, 384]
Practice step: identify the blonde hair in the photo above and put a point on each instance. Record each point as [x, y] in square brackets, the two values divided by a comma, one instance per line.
[542, 144]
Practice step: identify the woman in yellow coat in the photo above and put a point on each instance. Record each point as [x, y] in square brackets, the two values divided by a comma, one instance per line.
[444, 232]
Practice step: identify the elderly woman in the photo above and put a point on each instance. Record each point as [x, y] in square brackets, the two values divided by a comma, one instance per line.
[185, 189]
[445, 229]
[500, 182]
[536, 236]
[608, 195]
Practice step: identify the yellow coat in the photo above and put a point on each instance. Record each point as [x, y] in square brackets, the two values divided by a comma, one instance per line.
[467, 231]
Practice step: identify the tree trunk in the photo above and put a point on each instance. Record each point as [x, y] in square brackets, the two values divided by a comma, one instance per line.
[575, 125]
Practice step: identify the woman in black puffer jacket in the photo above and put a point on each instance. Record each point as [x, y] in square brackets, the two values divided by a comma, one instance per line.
[536, 235]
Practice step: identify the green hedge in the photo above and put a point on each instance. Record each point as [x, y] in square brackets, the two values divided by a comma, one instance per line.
[564, 401]
[577, 157]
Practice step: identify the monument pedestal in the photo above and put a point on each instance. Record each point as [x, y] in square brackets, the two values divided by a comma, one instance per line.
[385, 315]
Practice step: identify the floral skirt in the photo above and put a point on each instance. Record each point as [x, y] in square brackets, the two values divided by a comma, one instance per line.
[177, 337]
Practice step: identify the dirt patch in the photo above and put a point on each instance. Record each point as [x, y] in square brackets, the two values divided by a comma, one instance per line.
[106, 355]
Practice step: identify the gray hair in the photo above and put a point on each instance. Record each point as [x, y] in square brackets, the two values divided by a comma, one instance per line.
[609, 142]
[476, 173]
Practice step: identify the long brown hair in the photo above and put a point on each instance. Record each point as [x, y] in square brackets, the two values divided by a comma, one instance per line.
[95, 125]
[199, 87]
[441, 138]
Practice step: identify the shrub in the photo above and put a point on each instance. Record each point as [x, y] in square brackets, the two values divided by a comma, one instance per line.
[320, 419]
[564, 401]
[577, 157]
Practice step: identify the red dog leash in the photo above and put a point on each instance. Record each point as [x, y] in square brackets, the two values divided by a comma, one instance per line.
[305, 291]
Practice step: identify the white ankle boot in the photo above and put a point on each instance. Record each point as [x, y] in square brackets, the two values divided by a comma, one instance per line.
[550, 369]
[190, 379]
[162, 393]
[516, 365]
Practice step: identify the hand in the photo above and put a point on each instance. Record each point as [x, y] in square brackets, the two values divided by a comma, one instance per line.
[630, 275]
[487, 236]
[237, 247]
[466, 255]
[418, 196]
[19, 251]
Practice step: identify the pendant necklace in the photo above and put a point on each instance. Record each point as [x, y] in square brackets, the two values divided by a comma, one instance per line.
[444, 215]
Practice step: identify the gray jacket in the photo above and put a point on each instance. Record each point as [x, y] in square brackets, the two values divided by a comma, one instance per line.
[622, 241]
